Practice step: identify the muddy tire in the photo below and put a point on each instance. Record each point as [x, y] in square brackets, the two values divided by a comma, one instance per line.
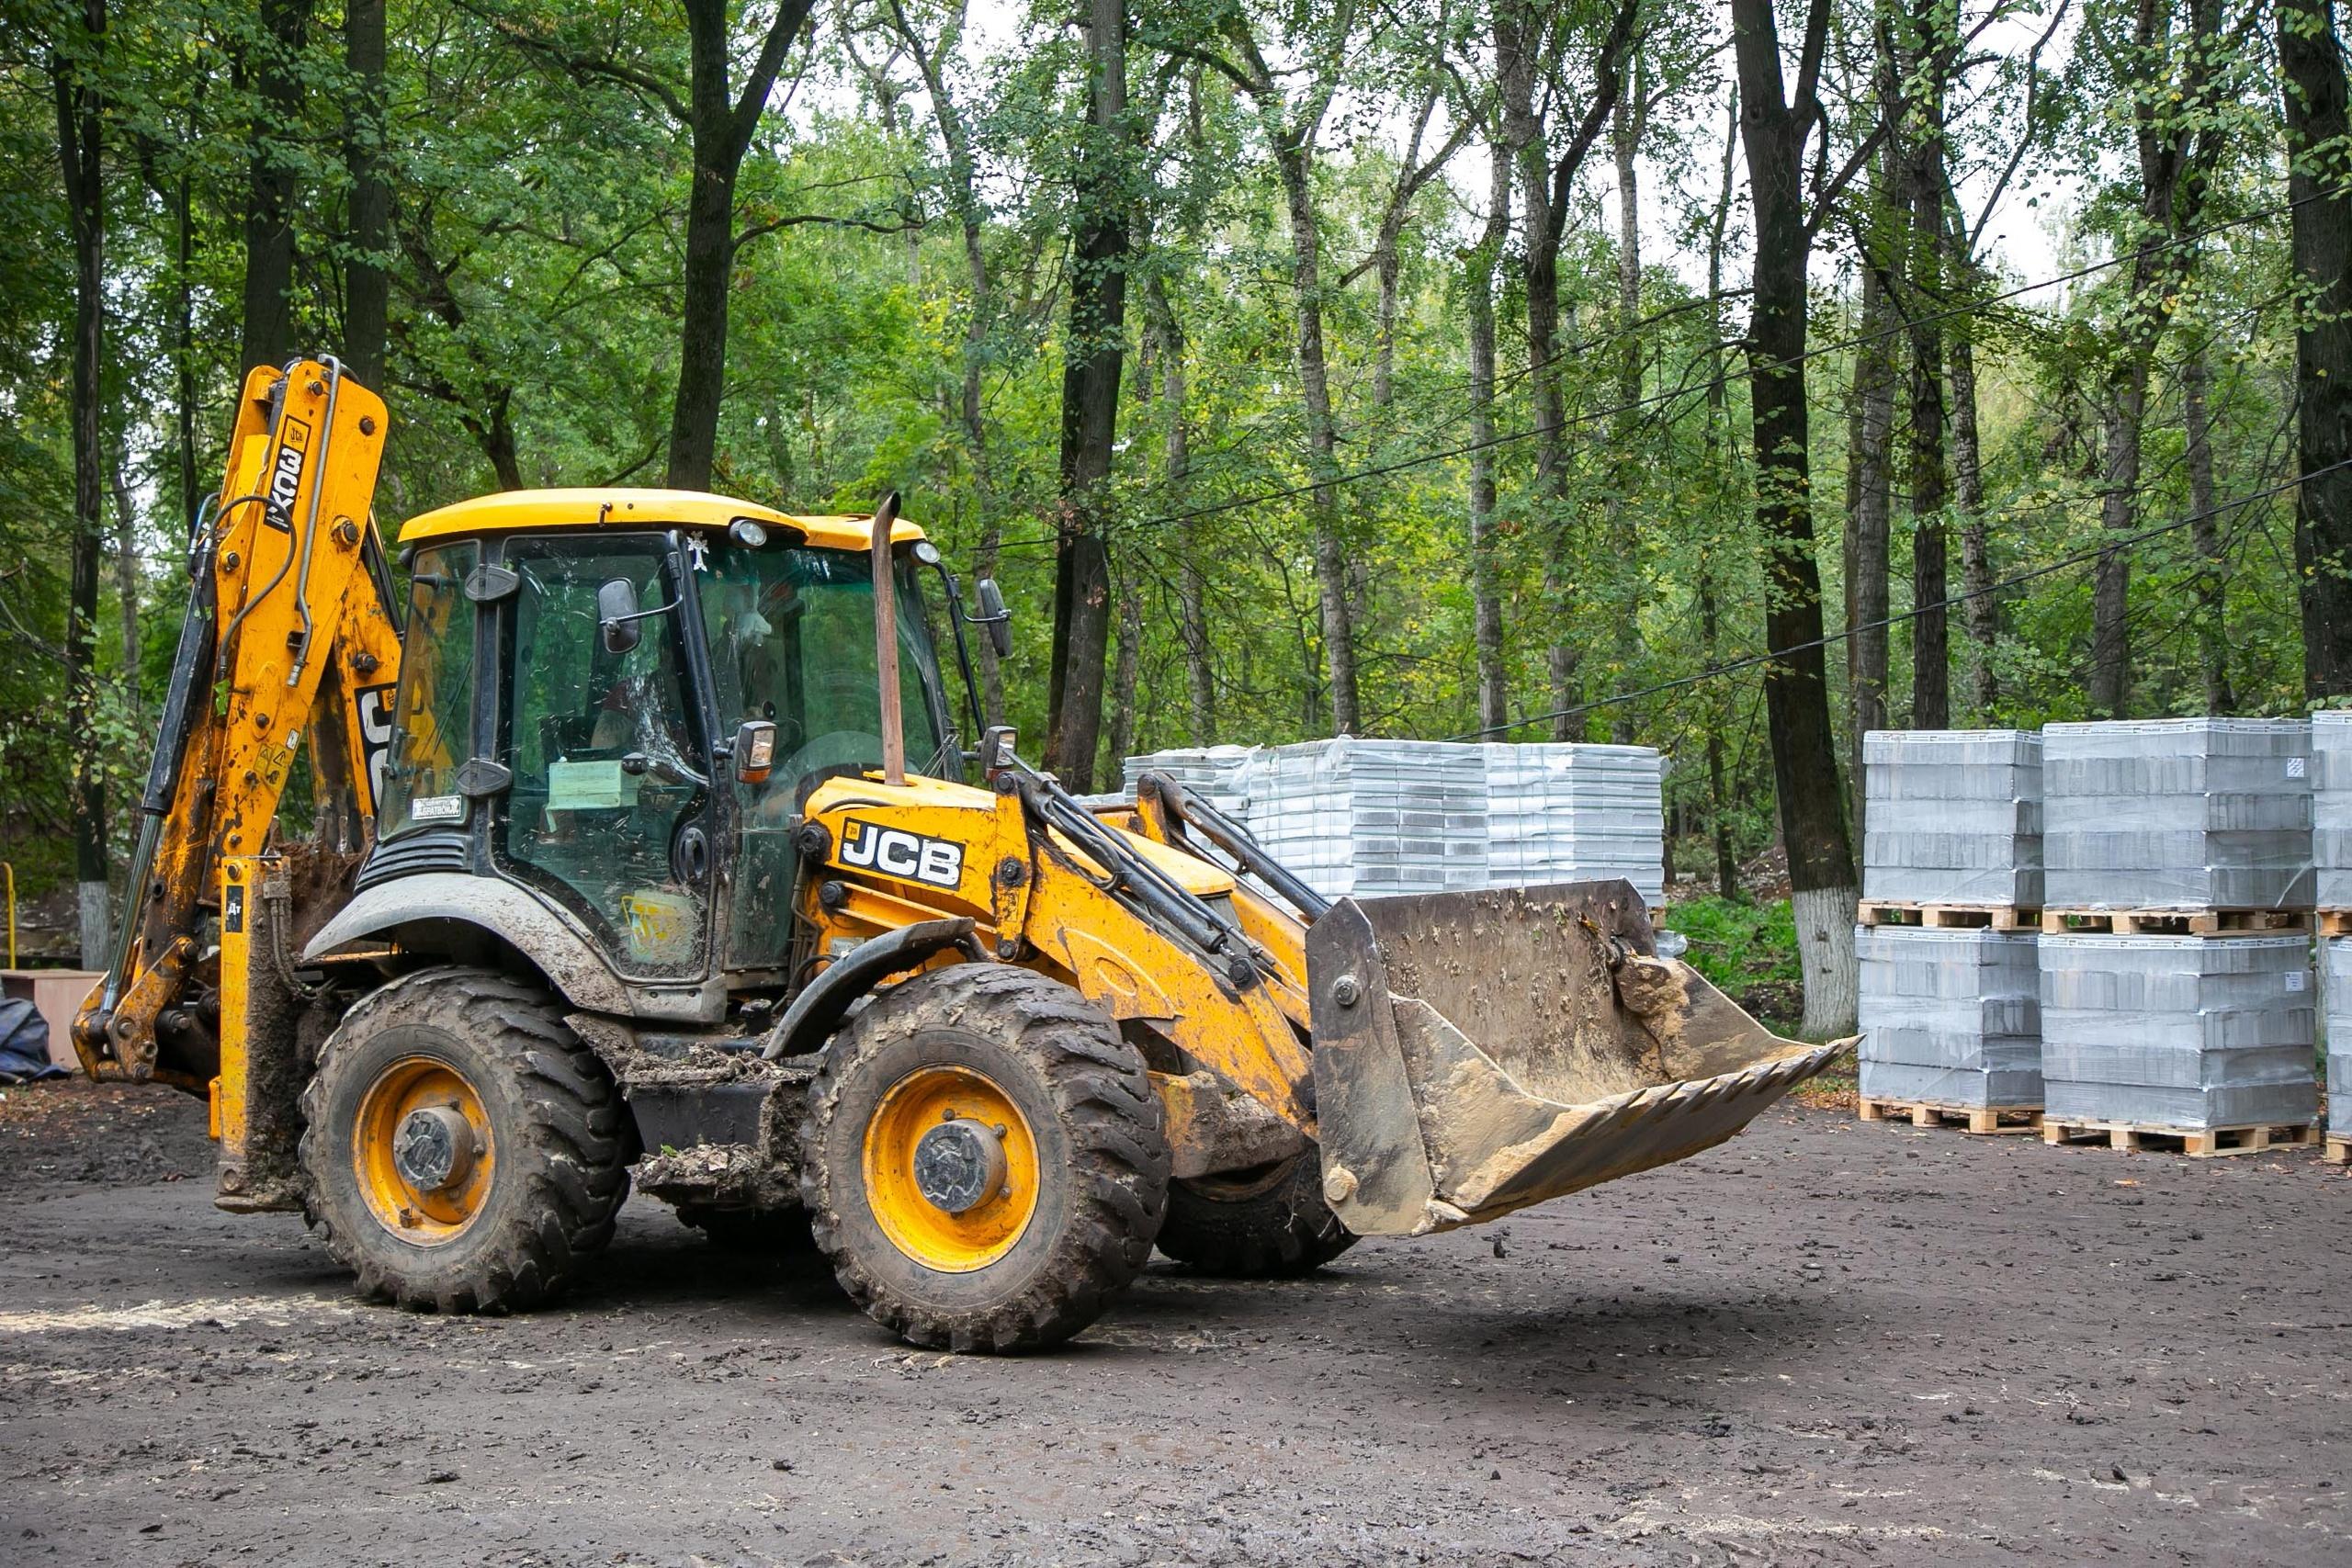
[1046, 1130]
[464, 1151]
[752, 1232]
[1267, 1224]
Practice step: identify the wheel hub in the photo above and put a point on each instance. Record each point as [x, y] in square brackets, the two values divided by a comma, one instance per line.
[434, 1149]
[959, 1165]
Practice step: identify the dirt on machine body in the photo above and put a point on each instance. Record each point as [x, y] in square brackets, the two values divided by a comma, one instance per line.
[643, 843]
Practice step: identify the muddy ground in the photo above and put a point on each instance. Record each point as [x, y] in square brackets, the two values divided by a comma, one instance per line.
[1826, 1342]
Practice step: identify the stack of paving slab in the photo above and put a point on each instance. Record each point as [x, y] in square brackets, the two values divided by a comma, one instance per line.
[1570, 812]
[2189, 814]
[1952, 816]
[2331, 891]
[1218, 775]
[1373, 819]
[2185, 1032]
[1949, 1018]
[2201, 816]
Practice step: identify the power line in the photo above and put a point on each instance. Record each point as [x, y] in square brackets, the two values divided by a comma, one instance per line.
[1379, 470]
[1751, 661]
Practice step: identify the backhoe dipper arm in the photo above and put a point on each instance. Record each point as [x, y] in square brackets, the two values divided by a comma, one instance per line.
[289, 626]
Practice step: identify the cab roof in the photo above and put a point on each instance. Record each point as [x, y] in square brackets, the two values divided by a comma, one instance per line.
[621, 507]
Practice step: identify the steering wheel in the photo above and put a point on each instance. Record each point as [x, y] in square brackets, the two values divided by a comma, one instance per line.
[838, 748]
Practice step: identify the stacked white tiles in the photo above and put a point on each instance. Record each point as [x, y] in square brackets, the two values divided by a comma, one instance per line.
[1373, 819]
[1571, 812]
[1951, 876]
[2177, 996]
[2332, 890]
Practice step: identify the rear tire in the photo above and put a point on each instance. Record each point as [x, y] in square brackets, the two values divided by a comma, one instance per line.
[1076, 1176]
[1268, 1225]
[484, 1065]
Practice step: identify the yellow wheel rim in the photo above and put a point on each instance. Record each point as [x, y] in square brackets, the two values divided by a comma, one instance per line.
[951, 1169]
[423, 1151]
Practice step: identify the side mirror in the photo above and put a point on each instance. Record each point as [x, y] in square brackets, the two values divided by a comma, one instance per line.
[616, 615]
[994, 615]
[754, 751]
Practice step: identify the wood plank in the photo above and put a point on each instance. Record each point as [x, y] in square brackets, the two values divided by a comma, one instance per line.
[1947, 916]
[2196, 1142]
[2339, 1151]
[1981, 1120]
[2174, 922]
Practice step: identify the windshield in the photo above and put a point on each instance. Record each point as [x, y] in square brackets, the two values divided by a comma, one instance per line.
[791, 638]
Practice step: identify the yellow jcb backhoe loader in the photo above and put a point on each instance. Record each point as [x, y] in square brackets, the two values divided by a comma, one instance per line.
[615, 866]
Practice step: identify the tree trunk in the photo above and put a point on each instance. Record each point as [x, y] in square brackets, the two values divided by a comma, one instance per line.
[2318, 122]
[1718, 791]
[1931, 483]
[1487, 611]
[1868, 508]
[1625, 135]
[1093, 360]
[183, 345]
[74, 71]
[721, 125]
[367, 281]
[126, 577]
[1981, 612]
[1122, 735]
[1797, 687]
[1192, 581]
[1291, 156]
[2205, 530]
[271, 68]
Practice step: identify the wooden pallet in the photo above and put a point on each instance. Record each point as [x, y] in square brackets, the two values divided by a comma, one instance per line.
[2174, 922]
[2206, 1143]
[1977, 1119]
[2335, 923]
[1948, 916]
[2337, 1152]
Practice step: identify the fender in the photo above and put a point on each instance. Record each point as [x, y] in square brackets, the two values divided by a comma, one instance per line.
[825, 1000]
[500, 909]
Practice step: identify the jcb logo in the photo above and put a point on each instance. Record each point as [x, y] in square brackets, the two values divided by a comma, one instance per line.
[285, 475]
[894, 852]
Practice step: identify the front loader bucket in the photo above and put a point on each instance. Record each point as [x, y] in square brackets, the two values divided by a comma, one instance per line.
[1476, 1053]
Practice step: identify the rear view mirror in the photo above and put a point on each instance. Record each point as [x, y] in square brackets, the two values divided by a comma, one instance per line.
[616, 615]
[994, 615]
[754, 751]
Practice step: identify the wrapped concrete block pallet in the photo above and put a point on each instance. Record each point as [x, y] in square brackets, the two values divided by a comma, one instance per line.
[1953, 820]
[1373, 817]
[2332, 812]
[1951, 1027]
[1217, 775]
[2192, 814]
[1572, 812]
[2337, 968]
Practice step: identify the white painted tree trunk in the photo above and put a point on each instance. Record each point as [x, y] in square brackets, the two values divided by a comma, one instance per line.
[1824, 922]
[95, 922]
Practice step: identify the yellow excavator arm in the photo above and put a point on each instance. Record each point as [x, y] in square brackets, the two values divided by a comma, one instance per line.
[289, 631]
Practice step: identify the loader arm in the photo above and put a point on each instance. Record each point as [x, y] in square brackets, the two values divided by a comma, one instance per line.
[290, 629]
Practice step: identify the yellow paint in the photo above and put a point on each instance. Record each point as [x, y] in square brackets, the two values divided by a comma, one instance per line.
[268, 689]
[621, 507]
[232, 1098]
[423, 1218]
[950, 1244]
[1074, 932]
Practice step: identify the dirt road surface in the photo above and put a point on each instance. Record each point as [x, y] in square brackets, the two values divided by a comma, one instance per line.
[1824, 1343]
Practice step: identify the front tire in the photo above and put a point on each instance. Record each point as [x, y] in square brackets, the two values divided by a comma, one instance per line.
[983, 1160]
[465, 1152]
[1266, 1224]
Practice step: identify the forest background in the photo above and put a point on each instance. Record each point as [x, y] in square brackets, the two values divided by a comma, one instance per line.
[1729, 376]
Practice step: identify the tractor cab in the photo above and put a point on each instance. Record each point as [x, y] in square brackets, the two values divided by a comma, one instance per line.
[617, 702]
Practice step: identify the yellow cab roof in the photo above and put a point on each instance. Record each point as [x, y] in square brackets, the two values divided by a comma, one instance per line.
[621, 507]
